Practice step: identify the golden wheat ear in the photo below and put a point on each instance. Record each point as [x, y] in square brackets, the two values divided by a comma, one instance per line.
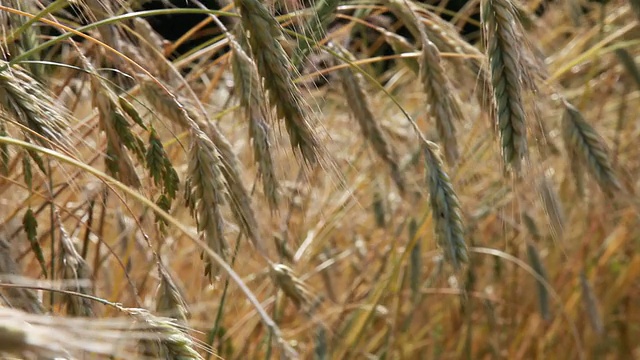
[253, 100]
[275, 68]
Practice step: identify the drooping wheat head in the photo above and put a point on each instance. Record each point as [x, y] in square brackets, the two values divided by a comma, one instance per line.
[369, 126]
[19, 298]
[76, 270]
[445, 208]
[31, 106]
[587, 146]
[256, 107]
[505, 54]
[206, 193]
[169, 299]
[275, 68]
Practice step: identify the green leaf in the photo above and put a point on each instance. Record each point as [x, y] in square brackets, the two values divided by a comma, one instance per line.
[131, 111]
[30, 225]
[155, 158]
[170, 179]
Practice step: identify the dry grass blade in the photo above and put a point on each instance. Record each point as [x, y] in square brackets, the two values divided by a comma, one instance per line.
[371, 129]
[31, 106]
[582, 141]
[170, 301]
[77, 271]
[20, 298]
[505, 56]
[445, 208]
[252, 98]
[206, 193]
[276, 69]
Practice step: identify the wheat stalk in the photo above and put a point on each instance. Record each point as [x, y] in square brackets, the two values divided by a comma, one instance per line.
[445, 208]
[583, 142]
[505, 63]
[276, 69]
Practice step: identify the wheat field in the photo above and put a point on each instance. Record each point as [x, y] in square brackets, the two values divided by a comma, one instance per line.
[285, 189]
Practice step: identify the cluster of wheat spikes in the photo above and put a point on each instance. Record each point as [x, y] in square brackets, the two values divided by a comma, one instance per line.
[377, 254]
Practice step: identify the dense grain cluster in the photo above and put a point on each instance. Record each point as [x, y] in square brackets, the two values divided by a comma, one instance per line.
[274, 66]
[27, 103]
[585, 145]
[371, 129]
[445, 208]
[206, 193]
[256, 107]
[505, 54]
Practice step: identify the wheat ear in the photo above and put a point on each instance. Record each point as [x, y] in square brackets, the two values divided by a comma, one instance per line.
[170, 301]
[445, 208]
[276, 69]
[443, 104]
[206, 193]
[369, 126]
[20, 298]
[505, 55]
[582, 140]
[30, 105]
[77, 271]
[167, 339]
[286, 280]
[110, 117]
[252, 98]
